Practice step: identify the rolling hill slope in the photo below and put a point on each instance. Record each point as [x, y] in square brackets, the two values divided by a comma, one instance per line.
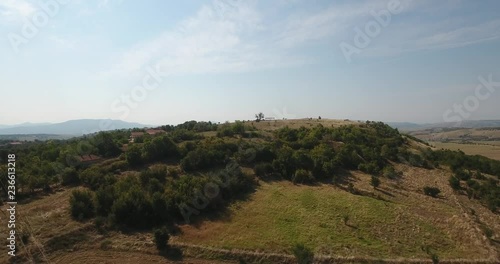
[339, 215]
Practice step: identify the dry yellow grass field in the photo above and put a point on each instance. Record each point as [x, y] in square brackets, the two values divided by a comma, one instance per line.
[487, 149]
[458, 134]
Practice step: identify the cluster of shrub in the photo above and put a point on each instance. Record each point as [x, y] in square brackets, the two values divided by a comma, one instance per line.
[153, 197]
[159, 148]
[41, 164]
[306, 155]
[459, 160]
[300, 155]
[470, 169]
[477, 186]
[237, 128]
[195, 153]
[192, 126]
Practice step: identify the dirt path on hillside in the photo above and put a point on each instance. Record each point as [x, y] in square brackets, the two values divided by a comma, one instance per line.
[114, 257]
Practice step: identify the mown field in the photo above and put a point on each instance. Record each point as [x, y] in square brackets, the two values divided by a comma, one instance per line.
[484, 148]
[458, 134]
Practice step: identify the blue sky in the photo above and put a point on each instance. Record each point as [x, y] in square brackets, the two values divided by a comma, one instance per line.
[229, 59]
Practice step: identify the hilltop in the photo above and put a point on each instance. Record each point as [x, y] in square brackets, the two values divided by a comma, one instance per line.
[346, 191]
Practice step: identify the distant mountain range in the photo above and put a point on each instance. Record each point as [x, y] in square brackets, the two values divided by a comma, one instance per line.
[73, 127]
[406, 126]
[27, 124]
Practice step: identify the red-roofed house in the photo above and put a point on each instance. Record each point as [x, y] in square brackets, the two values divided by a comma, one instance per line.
[155, 131]
[89, 159]
[135, 135]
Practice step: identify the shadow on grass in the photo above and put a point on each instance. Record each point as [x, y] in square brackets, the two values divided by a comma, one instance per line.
[385, 192]
[352, 226]
[38, 194]
[66, 241]
[218, 209]
[172, 227]
[172, 253]
[270, 178]
[341, 177]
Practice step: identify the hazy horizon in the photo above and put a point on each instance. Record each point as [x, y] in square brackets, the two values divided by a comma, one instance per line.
[166, 63]
[222, 121]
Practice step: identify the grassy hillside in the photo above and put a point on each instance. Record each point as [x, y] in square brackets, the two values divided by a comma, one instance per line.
[252, 191]
[395, 220]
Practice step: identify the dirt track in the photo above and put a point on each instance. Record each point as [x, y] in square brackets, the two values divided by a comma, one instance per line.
[112, 257]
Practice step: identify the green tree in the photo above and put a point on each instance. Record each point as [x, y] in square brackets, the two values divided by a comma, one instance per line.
[203, 158]
[284, 164]
[133, 208]
[69, 176]
[82, 205]
[432, 191]
[416, 160]
[94, 177]
[375, 181]
[134, 155]
[303, 160]
[105, 144]
[238, 128]
[263, 169]
[455, 183]
[303, 254]
[161, 238]
[160, 148]
[105, 197]
[389, 172]
[434, 257]
[162, 207]
[302, 176]
[259, 117]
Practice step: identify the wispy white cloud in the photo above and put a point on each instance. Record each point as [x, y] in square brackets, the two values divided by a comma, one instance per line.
[209, 42]
[435, 36]
[333, 21]
[324, 23]
[88, 8]
[423, 25]
[108, 3]
[13, 10]
[62, 42]
[241, 39]
[460, 36]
